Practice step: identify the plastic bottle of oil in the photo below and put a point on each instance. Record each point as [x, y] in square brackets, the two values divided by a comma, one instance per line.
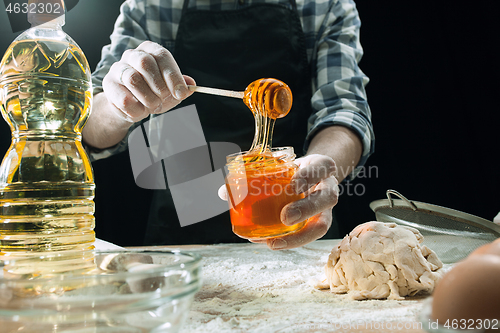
[46, 180]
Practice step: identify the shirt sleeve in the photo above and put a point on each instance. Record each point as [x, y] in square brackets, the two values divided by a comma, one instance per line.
[129, 32]
[339, 96]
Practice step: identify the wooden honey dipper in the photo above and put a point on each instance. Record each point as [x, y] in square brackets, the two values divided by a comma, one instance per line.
[267, 97]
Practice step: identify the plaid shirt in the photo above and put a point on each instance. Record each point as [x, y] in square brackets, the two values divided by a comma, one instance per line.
[331, 29]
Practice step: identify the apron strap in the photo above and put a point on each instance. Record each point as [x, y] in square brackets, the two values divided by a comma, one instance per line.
[185, 6]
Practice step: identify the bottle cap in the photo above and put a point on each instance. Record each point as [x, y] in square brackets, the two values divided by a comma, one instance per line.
[43, 11]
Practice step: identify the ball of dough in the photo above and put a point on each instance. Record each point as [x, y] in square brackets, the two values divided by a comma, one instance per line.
[382, 260]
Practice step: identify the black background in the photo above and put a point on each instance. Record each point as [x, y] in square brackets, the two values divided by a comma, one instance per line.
[433, 96]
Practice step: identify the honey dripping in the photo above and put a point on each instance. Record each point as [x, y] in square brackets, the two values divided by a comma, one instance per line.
[259, 180]
[268, 99]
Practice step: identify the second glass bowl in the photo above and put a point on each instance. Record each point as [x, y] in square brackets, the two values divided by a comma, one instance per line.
[127, 292]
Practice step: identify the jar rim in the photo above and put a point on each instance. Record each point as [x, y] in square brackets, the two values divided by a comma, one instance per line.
[280, 153]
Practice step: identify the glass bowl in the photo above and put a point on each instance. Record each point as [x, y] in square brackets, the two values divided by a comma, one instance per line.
[124, 291]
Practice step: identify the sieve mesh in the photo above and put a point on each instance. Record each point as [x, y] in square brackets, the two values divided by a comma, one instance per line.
[451, 234]
[433, 222]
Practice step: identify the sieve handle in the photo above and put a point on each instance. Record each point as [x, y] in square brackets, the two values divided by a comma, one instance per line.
[396, 193]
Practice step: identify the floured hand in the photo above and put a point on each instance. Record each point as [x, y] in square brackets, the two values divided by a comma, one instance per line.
[146, 80]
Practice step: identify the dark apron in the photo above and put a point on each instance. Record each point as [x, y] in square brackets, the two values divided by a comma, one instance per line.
[229, 50]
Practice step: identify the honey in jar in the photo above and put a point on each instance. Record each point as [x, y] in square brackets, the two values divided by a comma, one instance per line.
[258, 181]
[258, 190]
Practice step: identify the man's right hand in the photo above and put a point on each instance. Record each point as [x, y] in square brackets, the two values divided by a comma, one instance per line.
[147, 80]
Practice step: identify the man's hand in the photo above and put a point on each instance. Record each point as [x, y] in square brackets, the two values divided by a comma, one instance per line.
[146, 80]
[315, 178]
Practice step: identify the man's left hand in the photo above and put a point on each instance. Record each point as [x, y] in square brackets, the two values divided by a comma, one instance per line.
[315, 178]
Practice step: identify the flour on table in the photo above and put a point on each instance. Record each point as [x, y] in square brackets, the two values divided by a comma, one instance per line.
[382, 260]
[249, 288]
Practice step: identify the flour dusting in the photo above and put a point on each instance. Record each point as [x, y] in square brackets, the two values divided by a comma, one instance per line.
[247, 287]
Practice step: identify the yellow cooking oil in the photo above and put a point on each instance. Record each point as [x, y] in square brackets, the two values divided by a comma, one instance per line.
[46, 179]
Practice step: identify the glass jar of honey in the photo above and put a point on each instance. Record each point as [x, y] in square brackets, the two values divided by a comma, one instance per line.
[258, 188]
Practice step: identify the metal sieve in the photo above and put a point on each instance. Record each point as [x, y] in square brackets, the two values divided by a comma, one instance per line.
[450, 233]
